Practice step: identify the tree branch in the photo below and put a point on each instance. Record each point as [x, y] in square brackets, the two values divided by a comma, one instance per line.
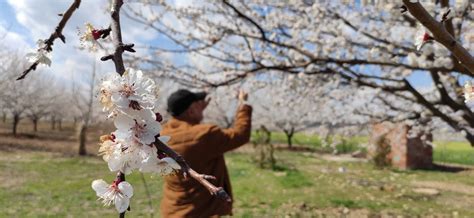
[56, 34]
[201, 178]
[441, 34]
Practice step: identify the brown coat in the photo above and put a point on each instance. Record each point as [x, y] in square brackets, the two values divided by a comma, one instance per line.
[202, 146]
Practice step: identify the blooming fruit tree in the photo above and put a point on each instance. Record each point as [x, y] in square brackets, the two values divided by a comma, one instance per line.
[129, 98]
[390, 46]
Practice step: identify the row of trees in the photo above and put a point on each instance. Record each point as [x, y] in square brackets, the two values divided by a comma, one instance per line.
[47, 98]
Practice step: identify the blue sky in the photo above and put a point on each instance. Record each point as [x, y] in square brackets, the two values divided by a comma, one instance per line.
[15, 15]
[8, 19]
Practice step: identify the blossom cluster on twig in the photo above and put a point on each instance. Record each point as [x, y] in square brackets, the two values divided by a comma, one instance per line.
[129, 100]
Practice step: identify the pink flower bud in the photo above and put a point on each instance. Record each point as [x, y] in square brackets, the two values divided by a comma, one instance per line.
[96, 34]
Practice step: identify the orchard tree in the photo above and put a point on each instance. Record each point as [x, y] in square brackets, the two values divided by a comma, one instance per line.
[16, 97]
[289, 105]
[380, 46]
[44, 93]
[83, 100]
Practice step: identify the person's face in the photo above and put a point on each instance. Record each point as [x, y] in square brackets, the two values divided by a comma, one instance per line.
[196, 110]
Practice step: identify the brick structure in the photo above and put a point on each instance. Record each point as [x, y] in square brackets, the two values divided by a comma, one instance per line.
[405, 152]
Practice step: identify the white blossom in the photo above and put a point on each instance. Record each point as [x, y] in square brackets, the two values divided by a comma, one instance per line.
[165, 166]
[140, 128]
[118, 193]
[40, 55]
[132, 91]
[468, 92]
[126, 158]
[421, 39]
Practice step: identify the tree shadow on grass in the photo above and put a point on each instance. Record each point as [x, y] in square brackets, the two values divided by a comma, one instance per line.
[449, 168]
[436, 167]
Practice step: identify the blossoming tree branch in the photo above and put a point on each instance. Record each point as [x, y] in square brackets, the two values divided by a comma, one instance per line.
[128, 97]
[380, 45]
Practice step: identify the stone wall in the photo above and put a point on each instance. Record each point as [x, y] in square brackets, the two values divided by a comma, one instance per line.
[405, 152]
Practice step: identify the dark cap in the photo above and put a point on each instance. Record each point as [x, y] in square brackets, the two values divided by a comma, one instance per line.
[180, 100]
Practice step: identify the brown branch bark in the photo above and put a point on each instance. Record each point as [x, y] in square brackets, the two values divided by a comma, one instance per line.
[441, 35]
[247, 18]
[56, 34]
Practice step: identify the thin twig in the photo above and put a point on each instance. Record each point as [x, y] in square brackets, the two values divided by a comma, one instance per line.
[58, 33]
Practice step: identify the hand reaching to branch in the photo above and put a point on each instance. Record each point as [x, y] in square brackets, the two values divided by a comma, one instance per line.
[242, 97]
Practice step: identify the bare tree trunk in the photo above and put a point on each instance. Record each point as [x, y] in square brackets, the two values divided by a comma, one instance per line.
[16, 120]
[53, 123]
[4, 118]
[60, 124]
[35, 124]
[289, 136]
[86, 119]
[82, 140]
[268, 135]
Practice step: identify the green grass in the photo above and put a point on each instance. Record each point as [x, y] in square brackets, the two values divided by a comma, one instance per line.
[454, 152]
[457, 152]
[39, 184]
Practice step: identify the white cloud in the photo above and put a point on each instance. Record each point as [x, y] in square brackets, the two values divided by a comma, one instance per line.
[40, 18]
[13, 40]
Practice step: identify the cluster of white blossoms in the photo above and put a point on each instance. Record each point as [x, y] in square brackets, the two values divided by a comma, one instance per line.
[129, 99]
[40, 55]
[468, 92]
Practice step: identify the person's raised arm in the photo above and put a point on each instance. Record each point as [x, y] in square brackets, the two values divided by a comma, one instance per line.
[220, 140]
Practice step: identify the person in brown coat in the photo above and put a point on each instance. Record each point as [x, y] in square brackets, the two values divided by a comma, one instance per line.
[203, 147]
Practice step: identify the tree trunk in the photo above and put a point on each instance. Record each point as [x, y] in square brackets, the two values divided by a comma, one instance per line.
[35, 124]
[268, 134]
[53, 123]
[4, 118]
[82, 140]
[289, 137]
[60, 124]
[16, 120]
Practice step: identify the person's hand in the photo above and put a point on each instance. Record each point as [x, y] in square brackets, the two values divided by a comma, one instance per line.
[242, 96]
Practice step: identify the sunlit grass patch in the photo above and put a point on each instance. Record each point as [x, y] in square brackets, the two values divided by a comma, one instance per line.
[458, 152]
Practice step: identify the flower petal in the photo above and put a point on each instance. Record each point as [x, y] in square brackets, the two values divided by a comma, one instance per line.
[100, 187]
[121, 203]
[123, 122]
[115, 163]
[149, 164]
[126, 189]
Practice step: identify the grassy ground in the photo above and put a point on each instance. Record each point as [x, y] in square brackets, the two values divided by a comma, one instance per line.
[41, 177]
[454, 152]
[42, 184]
[457, 152]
